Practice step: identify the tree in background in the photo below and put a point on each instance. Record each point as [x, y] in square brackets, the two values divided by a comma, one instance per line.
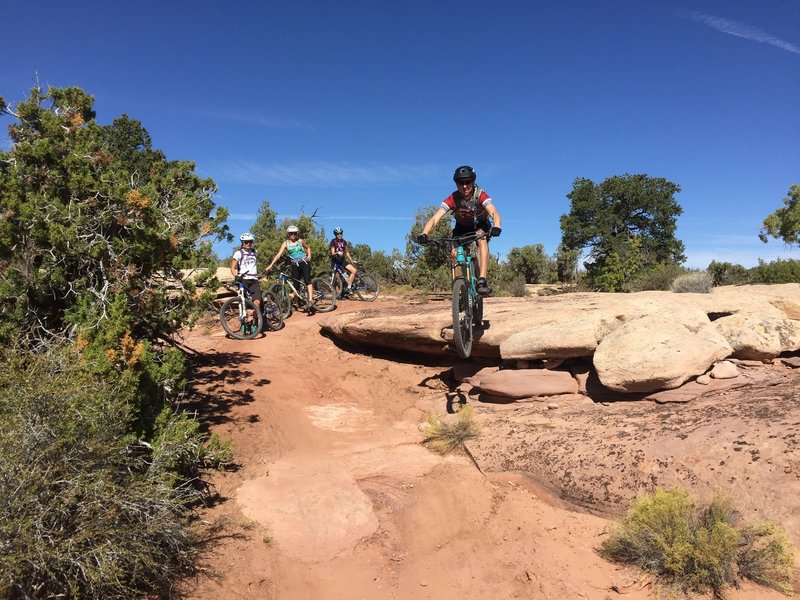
[532, 263]
[606, 218]
[784, 223]
[567, 263]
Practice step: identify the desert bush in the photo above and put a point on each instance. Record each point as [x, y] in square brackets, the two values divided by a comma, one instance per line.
[725, 273]
[88, 510]
[699, 548]
[776, 271]
[698, 282]
[444, 437]
[504, 282]
[657, 277]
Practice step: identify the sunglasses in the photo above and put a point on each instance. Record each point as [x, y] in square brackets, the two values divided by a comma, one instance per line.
[464, 182]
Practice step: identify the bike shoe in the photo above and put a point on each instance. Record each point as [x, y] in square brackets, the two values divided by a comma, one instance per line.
[482, 287]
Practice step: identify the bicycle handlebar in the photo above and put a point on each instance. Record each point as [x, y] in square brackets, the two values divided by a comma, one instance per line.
[460, 240]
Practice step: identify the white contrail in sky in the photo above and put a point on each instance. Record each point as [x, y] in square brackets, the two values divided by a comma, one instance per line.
[744, 31]
[322, 174]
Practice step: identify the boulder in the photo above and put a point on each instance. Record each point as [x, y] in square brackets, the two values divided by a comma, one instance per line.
[724, 370]
[759, 337]
[657, 353]
[526, 383]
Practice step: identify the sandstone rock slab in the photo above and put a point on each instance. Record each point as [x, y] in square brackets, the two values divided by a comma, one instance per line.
[657, 353]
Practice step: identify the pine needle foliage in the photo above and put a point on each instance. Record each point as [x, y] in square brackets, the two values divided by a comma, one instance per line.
[444, 437]
[699, 548]
[86, 511]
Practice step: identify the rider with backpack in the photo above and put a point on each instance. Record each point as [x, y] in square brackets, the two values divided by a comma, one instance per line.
[472, 208]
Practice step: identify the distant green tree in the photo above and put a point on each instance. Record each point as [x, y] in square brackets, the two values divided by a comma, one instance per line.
[776, 271]
[784, 223]
[431, 263]
[604, 218]
[567, 263]
[532, 263]
[725, 273]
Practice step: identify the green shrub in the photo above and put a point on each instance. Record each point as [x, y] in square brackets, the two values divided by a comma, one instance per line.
[776, 271]
[88, 510]
[444, 437]
[658, 277]
[725, 273]
[698, 282]
[699, 549]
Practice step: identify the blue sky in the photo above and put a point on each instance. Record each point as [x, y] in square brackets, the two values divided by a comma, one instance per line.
[361, 110]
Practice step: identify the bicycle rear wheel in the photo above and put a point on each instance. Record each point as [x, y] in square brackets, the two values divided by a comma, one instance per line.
[324, 295]
[367, 286]
[240, 321]
[270, 308]
[462, 318]
[283, 298]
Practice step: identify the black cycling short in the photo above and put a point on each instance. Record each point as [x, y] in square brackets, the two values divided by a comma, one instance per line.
[301, 267]
[460, 229]
[253, 287]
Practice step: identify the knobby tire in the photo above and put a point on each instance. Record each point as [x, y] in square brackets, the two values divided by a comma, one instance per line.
[324, 295]
[283, 298]
[462, 318]
[230, 314]
[272, 313]
[367, 286]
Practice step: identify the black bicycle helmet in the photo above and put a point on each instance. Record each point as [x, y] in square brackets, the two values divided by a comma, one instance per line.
[464, 172]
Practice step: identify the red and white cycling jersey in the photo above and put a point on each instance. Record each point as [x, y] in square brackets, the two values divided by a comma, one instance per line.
[468, 211]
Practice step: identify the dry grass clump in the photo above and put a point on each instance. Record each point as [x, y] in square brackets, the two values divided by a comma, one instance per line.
[444, 437]
[699, 549]
[698, 282]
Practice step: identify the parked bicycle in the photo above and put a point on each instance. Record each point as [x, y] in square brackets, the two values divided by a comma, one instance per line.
[290, 294]
[365, 285]
[242, 320]
[467, 302]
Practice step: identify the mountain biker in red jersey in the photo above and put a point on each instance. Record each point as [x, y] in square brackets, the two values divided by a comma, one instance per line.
[472, 208]
[340, 255]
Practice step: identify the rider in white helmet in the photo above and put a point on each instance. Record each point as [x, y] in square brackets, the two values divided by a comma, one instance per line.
[300, 254]
[244, 265]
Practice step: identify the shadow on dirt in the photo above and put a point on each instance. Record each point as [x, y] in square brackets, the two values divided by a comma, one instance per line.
[212, 394]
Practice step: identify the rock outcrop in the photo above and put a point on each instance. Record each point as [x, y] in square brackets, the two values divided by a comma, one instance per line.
[637, 343]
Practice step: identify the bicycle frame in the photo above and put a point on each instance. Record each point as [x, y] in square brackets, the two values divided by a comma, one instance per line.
[285, 280]
[287, 288]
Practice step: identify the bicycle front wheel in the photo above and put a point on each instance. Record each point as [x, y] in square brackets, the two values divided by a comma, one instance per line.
[273, 315]
[283, 298]
[367, 286]
[334, 280]
[462, 318]
[477, 312]
[324, 295]
[240, 321]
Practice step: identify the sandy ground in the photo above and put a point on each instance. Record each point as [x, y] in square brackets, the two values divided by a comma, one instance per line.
[334, 497]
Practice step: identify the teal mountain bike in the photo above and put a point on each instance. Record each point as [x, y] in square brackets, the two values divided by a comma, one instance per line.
[467, 302]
